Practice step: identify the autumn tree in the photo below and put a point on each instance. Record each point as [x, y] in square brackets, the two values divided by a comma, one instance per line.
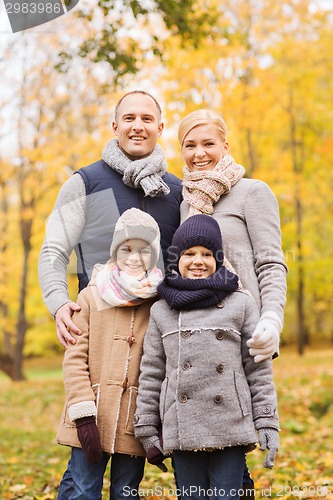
[123, 34]
[56, 125]
[6, 347]
[265, 67]
[301, 68]
[268, 73]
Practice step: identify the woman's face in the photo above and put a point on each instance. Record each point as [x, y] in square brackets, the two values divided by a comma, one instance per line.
[203, 148]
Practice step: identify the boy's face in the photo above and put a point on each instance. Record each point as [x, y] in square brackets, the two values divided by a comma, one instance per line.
[134, 257]
[197, 262]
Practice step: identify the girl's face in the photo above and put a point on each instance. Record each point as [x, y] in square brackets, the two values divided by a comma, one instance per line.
[203, 148]
[134, 257]
[197, 262]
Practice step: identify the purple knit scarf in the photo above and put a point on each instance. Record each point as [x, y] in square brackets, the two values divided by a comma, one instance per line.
[184, 293]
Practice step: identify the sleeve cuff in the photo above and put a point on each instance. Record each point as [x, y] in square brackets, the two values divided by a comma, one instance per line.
[266, 416]
[146, 425]
[55, 301]
[82, 409]
[273, 316]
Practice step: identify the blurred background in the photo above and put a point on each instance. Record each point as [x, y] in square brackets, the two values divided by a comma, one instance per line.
[266, 67]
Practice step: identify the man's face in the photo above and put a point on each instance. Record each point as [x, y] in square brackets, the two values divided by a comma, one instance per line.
[138, 125]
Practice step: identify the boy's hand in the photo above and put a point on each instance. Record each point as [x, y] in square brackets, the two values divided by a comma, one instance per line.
[269, 439]
[155, 452]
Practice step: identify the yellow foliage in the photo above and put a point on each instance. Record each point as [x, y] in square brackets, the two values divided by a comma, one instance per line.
[266, 68]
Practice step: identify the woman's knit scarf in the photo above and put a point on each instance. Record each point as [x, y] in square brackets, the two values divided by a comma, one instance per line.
[119, 289]
[184, 293]
[145, 173]
[203, 189]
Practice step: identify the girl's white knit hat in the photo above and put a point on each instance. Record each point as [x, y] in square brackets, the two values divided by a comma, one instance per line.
[136, 224]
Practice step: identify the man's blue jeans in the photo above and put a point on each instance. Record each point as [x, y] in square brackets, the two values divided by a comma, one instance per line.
[84, 481]
[214, 474]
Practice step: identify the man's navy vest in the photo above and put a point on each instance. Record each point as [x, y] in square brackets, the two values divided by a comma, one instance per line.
[107, 198]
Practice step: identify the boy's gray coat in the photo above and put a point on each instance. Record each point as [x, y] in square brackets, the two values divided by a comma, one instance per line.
[198, 378]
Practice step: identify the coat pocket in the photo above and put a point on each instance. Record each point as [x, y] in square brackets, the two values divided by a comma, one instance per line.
[164, 388]
[66, 421]
[97, 392]
[243, 394]
[65, 418]
[131, 407]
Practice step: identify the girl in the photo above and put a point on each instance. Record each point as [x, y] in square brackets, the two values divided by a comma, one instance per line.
[101, 370]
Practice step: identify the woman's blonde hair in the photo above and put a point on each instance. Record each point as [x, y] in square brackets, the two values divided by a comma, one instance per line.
[201, 117]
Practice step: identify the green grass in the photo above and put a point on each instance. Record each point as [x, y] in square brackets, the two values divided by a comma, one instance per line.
[40, 369]
[32, 463]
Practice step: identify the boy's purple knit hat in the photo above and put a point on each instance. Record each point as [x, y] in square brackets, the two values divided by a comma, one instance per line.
[198, 230]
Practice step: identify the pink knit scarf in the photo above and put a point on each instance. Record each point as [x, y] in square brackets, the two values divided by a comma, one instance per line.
[121, 290]
[203, 189]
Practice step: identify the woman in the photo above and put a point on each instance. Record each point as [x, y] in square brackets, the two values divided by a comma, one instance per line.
[248, 215]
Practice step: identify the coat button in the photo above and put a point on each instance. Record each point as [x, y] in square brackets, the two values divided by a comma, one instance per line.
[186, 334]
[266, 409]
[219, 335]
[220, 367]
[183, 398]
[136, 419]
[186, 366]
[218, 398]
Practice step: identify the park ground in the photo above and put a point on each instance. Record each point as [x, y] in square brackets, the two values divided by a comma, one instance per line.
[31, 462]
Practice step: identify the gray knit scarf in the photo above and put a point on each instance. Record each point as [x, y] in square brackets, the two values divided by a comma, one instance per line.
[145, 173]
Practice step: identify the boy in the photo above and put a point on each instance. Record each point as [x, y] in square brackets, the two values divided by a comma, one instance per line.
[197, 377]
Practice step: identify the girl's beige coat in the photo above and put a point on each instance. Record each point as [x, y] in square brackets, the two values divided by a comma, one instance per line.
[102, 371]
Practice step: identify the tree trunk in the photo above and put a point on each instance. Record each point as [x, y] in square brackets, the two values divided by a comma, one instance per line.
[6, 354]
[301, 340]
[251, 152]
[22, 324]
[297, 163]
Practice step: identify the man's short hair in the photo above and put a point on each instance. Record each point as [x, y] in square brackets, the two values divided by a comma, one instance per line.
[159, 109]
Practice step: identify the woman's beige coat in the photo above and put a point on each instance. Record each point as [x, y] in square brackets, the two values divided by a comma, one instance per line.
[101, 372]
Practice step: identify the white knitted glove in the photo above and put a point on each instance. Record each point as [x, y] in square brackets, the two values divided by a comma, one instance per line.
[266, 337]
[269, 439]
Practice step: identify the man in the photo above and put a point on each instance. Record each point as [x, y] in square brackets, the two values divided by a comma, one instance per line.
[132, 173]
